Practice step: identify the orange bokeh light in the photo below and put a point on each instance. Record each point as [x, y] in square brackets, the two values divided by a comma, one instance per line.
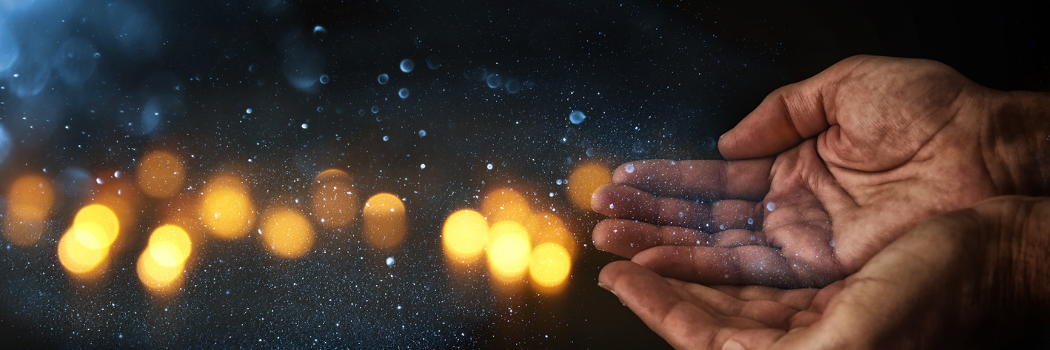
[29, 202]
[83, 248]
[464, 236]
[584, 180]
[384, 219]
[160, 174]
[287, 233]
[508, 250]
[505, 204]
[334, 201]
[549, 265]
[164, 260]
[226, 208]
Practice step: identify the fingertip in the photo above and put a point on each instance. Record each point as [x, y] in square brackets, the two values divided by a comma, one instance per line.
[732, 345]
[611, 273]
[599, 200]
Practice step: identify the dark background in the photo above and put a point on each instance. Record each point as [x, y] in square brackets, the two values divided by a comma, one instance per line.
[657, 79]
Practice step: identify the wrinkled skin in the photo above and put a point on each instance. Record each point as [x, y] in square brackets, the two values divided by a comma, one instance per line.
[963, 279]
[855, 157]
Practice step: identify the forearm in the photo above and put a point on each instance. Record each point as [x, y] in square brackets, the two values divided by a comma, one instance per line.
[1017, 141]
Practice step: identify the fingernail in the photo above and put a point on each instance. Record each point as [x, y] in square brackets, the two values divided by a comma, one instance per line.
[723, 135]
[732, 345]
[605, 287]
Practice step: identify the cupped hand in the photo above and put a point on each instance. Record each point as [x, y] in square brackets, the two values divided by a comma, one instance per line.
[955, 280]
[857, 155]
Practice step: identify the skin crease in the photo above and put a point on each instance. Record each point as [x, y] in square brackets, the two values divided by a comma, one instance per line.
[958, 280]
[873, 192]
[862, 152]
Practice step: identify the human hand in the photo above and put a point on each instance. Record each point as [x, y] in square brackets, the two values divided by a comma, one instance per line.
[863, 151]
[961, 279]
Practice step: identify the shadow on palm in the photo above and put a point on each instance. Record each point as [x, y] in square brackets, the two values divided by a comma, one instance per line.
[855, 157]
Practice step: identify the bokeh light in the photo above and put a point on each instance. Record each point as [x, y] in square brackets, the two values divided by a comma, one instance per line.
[287, 233]
[160, 174]
[164, 259]
[384, 219]
[83, 248]
[29, 202]
[549, 265]
[584, 180]
[547, 227]
[508, 250]
[334, 200]
[464, 236]
[102, 217]
[505, 204]
[226, 208]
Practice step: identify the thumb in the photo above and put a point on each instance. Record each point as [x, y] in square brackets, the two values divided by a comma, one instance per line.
[787, 116]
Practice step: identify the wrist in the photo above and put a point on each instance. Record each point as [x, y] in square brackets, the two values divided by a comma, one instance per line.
[1016, 140]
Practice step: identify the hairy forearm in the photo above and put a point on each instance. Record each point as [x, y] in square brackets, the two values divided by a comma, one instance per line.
[1017, 141]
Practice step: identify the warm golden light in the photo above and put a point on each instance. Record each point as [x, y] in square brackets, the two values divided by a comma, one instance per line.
[505, 204]
[549, 265]
[101, 216]
[164, 260]
[226, 208]
[160, 174]
[548, 227]
[334, 201]
[508, 250]
[29, 202]
[464, 236]
[287, 233]
[384, 218]
[82, 248]
[170, 245]
[584, 180]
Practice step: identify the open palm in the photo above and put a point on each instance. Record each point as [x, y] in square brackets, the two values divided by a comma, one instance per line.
[863, 151]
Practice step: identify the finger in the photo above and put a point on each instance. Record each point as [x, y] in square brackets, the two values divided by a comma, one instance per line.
[683, 323]
[627, 202]
[627, 237]
[786, 116]
[698, 179]
[757, 265]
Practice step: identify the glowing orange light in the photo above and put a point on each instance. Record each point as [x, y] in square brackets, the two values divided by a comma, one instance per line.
[29, 201]
[465, 235]
[549, 265]
[508, 250]
[505, 204]
[334, 200]
[164, 259]
[101, 216]
[82, 248]
[384, 218]
[548, 227]
[584, 180]
[160, 174]
[121, 197]
[287, 233]
[226, 208]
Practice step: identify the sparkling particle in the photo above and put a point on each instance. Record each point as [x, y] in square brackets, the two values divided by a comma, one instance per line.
[629, 168]
[422, 133]
[390, 261]
[383, 78]
[403, 93]
[577, 117]
[770, 206]
[98, 180]
[750, 221]
[489, 166]
[249, 111]
[375, 109]
[407, 65]
[612, 206]
[423, 166]
[97, 55]
[323, 79]
[304, 126]
[386, 138]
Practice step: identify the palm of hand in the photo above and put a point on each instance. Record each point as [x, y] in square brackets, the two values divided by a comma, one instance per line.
[894, 145]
